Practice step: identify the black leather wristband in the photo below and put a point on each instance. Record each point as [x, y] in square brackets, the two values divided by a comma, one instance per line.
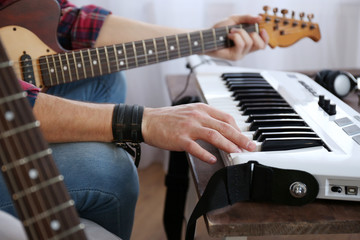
[126, 123]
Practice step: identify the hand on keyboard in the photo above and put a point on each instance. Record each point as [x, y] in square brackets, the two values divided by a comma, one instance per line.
[177, 129]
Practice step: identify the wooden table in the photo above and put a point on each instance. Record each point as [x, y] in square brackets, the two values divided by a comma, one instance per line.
[322, 219]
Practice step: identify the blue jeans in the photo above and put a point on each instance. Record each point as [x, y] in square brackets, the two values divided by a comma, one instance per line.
[100, 177]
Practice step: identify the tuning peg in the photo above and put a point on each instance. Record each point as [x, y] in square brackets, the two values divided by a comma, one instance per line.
[266, 9]
[293, 14]
[275, 10]
[302, 14]
[284, 12]
[310, 17]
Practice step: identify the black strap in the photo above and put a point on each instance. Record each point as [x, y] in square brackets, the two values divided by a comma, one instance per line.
[253, 182]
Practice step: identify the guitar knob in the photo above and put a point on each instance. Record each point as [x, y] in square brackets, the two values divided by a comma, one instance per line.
[266, 9]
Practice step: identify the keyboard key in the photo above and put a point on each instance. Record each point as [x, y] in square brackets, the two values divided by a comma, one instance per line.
[280, 144]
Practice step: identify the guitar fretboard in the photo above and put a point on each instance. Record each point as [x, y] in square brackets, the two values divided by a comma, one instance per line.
[35, 184]
[75, 65]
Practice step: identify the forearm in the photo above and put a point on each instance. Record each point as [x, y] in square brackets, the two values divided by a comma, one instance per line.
[120, 30]
[65, 120]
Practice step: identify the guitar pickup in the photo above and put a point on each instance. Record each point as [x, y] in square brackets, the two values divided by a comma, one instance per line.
[27, 68]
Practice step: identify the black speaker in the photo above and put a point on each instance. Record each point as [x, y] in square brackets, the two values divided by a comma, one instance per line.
[340, 83]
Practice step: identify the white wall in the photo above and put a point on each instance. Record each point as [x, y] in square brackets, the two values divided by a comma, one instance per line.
[339, 22]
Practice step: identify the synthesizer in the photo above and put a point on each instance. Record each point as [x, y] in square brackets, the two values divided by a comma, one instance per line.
[295, 122]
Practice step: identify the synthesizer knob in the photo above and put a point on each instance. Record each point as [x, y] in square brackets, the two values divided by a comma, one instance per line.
[332, 109]
[326, 105]
[321, 101]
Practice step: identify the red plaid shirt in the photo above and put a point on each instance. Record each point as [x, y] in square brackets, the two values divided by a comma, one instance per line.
[78, 28]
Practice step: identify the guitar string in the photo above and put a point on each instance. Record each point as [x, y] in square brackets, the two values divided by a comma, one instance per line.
[36, 166]
[94, 55]
[16, 171]
[161, 54]
[208, 31]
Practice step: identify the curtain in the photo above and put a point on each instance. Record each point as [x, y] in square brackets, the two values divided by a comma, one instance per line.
[339, 47]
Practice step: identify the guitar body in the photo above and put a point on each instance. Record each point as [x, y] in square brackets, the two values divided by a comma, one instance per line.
[30, 27]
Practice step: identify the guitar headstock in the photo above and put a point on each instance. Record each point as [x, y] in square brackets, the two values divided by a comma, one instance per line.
[284, 31]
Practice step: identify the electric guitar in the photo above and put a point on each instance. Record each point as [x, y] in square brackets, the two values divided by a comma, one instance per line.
[28, 29]
[37, 189]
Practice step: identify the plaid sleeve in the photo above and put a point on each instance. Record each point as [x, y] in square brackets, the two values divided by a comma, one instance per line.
[31, 90]
[80, 27]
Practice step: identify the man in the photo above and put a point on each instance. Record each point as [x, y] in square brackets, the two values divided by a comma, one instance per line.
[101, 177]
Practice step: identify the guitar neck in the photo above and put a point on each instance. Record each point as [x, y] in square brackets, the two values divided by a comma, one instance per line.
[76, 65]
[33, 180]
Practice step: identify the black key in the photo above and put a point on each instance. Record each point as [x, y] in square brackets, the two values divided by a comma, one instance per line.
[267, 104]
[254, 100]
[261, 130]
[257, 95]
[241, 92]
[267, 110]
[255, 86]
[233, 81]
[241, 75]
[267, 135]
[253, 117]
[273, 144]
[276, 123]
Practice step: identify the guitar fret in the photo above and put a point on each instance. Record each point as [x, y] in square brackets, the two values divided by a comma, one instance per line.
[257, 29]
[145, 53]
[90, 63]
[55, 70]
[107, 60]
[125, 56]
[190, 46]
[202, 41]
[19, 129]
[116, 58]
[98, 61]
[75, 66]
[54, 210]
[227, 31]
[135, 57]
[25, 160]
[166, 48]
[178, 45]
[37, 187]
[83, 63]
[68, 64]
[69, 232]
[214, 35]
[13, 97]
[156, 51]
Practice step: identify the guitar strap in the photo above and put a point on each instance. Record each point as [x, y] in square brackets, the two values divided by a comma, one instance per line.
[252, 181]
